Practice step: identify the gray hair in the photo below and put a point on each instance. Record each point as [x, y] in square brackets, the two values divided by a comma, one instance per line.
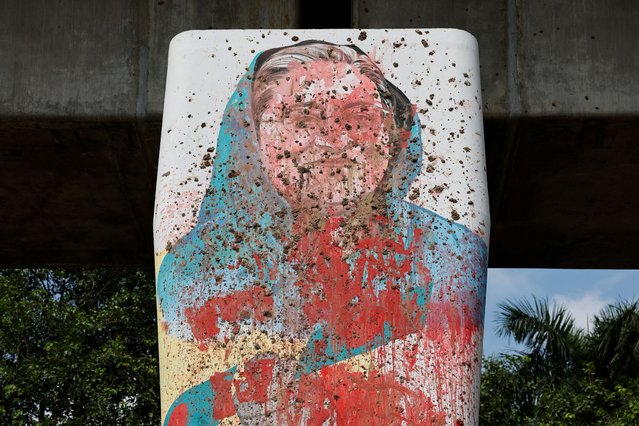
[273, 65]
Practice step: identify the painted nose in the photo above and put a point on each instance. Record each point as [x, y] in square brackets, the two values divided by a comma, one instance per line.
[334, 137]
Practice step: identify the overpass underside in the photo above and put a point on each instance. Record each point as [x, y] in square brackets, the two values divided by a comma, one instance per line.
[81, 97]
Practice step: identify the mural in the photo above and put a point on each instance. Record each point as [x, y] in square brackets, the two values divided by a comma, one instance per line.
[314, 290]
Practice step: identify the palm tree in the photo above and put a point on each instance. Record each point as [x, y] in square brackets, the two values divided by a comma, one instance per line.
[562, 371]
[615, 339]
[552, 340]
[553, 347]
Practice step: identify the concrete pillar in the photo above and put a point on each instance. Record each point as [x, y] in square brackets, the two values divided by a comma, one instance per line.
[321, 228]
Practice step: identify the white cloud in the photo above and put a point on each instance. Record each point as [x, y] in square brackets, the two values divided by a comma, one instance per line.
[583, 307]
[510, 284]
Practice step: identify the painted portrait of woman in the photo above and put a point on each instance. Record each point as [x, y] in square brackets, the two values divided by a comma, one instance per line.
[316, 291]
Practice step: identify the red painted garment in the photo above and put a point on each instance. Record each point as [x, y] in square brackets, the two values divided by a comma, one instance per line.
[356, 300]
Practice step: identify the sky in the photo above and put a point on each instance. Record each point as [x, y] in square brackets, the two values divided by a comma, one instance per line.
[583, 292]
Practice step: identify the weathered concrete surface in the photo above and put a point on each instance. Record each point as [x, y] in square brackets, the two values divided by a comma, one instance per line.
[74, 60]
[106, 60]
[75, 193]
[81, 96]
[578, 57]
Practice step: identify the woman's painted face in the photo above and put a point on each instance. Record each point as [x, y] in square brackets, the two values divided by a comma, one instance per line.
[324, 135]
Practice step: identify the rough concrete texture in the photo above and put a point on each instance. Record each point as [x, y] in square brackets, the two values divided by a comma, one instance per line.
[106, 60]
[74, 60]
[562, 192]
[556, 75]
[578, 57]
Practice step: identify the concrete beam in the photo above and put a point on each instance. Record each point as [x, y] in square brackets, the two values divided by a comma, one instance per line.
[81, 98]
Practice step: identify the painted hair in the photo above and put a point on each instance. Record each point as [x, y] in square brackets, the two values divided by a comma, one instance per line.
[273, 65]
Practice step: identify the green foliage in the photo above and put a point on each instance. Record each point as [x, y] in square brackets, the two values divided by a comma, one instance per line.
[550, 334]
[507, 397]
[587, 400]
[564, 376]
[78, 347]
[615, 339]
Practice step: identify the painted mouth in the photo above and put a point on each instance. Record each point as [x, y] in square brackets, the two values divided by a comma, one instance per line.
[333, 161]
